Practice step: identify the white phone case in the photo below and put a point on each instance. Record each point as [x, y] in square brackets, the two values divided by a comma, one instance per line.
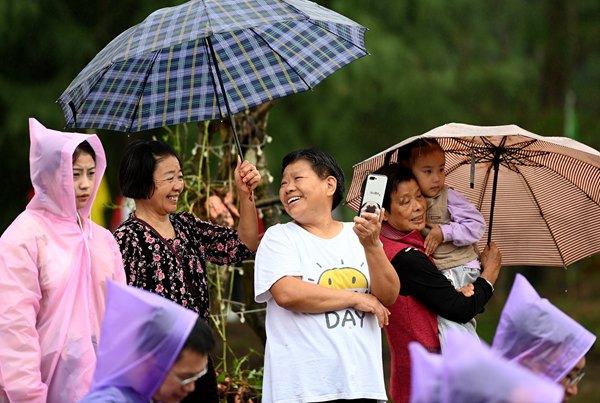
[372, 197]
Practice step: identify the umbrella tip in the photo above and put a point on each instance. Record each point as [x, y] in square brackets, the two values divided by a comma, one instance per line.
[74, 110]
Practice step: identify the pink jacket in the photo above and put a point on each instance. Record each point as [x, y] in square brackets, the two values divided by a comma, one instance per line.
[53, 271]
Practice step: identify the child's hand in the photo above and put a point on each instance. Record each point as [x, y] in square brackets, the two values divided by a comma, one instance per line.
[467, 290]
[433, 239]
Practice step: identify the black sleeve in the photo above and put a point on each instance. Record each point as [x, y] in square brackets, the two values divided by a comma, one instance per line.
[420, 279]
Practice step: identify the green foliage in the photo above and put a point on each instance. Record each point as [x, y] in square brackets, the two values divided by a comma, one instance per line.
[431, 62]
[206, 153]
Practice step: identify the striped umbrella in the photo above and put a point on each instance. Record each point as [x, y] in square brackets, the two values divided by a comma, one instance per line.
[542, 194]
[209, 59]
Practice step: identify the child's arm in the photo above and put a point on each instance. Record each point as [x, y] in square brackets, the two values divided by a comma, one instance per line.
[467, 225]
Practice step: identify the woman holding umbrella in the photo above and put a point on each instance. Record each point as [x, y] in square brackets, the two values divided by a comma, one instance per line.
[165, 252]
[425, 291]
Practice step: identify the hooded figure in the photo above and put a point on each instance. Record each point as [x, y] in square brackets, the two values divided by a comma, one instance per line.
[538, 335]
[142, 337]
[468, 371]
[426, 374]
[54, 262]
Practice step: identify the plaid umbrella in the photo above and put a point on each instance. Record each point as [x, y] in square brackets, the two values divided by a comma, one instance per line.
[542, 194]
[208, 59]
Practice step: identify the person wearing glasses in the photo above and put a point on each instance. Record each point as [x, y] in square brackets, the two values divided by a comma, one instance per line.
[542, 338]
[151, 349]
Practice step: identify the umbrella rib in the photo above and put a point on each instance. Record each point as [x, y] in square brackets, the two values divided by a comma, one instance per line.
[333, 33]
[208, 42]
[139, 102]
[524, 179]
[212, 77]
[74, 107]
[281, 58]
[484, 187]
[290, 49]
[569, 181]
[125, 95]
[253, 67]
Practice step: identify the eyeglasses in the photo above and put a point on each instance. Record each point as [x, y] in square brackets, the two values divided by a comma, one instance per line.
[193, 378]
[572, 380]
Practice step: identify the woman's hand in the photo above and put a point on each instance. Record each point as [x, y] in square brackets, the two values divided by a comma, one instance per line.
[370, 304]
[247, 177]
[491, 260]
[367, 228]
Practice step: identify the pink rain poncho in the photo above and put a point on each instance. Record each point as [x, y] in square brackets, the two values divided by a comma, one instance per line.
[53, 270]
[538, 335]
[469, 371]
[142, 336]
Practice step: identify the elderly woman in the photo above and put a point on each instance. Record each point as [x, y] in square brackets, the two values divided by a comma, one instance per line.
[425, 291]
[325, 283]
[537, 335]
[165, 252]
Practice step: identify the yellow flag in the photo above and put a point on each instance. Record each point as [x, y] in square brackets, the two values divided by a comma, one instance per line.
[102, 200]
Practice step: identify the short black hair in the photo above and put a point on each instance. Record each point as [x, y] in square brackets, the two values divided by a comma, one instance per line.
[84, 148]
[323, 164]
[136, 171]
[200, 339]
[396, 174]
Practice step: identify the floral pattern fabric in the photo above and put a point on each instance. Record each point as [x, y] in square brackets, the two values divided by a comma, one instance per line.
[175, 268]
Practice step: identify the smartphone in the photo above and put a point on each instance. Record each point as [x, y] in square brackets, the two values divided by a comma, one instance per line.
[372, 196]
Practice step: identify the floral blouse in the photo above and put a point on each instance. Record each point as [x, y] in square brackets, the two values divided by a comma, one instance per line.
[175, 268]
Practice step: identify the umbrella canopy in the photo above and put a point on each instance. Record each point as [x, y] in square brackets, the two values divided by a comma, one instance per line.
[540, 194]
[209, 59]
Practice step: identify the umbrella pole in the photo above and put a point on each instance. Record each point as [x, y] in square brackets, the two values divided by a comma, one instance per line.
[497, 153]
[216, 64]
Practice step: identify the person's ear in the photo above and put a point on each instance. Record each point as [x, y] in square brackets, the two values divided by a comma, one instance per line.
[331, 185]
[386, 215]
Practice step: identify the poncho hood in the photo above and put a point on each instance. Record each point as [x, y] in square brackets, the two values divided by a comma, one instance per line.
[538, 335]
[51, 170]
[427, 372]
[469, 371]
[142, 335]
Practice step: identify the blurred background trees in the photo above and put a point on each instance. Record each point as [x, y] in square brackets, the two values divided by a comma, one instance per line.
[532, 63]
[432, 62]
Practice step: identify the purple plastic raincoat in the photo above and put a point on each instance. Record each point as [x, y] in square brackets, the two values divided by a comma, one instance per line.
[53, 269]
[538, 335]
[142, 335]
[470, 371]
[426, 374]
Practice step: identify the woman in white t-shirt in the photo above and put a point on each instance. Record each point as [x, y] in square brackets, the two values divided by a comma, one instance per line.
[326, 284]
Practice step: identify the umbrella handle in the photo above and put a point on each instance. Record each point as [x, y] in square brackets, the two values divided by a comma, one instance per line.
[472, 178]
[497, 154]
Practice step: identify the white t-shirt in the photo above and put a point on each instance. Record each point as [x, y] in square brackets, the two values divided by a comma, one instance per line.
[324, 356]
